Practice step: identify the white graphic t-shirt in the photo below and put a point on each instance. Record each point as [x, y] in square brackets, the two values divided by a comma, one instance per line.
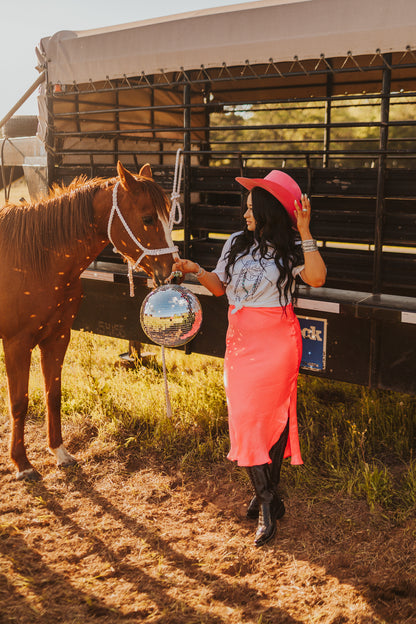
[253, 280]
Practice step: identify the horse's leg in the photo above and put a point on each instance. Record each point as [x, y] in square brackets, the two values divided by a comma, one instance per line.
[53, 351]
[17, 355]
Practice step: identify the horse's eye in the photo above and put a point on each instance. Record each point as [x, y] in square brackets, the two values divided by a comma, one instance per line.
[148, 220]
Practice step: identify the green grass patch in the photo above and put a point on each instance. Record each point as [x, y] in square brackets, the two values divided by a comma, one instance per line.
[353, 440]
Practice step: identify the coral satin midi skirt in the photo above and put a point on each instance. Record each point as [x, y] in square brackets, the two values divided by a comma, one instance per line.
[261, 365]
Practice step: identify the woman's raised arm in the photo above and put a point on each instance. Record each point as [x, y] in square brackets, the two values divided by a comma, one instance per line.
[314, 272]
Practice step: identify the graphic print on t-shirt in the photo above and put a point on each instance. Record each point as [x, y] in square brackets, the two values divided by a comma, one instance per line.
[250, 275]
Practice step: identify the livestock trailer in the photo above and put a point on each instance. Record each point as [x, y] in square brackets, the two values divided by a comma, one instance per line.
[324, 89]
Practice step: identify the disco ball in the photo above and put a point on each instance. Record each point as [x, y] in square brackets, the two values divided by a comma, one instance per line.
[171, 315]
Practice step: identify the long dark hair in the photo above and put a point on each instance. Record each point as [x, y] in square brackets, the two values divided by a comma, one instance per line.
[273, 230]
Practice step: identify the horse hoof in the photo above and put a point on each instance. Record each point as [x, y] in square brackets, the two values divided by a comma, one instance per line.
[30, 474]
[63, 458]
[69, 463]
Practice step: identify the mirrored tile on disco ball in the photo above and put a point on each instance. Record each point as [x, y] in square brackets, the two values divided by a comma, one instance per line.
[171, 315]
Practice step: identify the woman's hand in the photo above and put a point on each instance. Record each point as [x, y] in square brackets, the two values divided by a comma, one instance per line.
[185, 266]
[179, 269]
[303, 215]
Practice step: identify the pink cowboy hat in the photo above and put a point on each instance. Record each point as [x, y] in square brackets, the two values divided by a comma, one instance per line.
[281, 186]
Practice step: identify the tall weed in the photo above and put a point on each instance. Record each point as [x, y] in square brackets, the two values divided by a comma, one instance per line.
[355, 437]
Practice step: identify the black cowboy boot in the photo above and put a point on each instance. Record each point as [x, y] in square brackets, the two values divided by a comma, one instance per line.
[276, 455]
[260, 478]
[253, 509]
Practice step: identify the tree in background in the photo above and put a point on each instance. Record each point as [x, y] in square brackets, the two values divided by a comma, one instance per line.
[291, 135]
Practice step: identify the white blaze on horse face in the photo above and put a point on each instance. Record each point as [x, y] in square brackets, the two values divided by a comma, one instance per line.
[63, 458]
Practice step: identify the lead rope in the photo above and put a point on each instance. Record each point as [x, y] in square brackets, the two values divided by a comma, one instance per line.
[165, 379]
[175, 217]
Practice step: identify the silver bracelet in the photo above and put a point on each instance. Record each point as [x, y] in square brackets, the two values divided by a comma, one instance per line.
[309, 245]
[200, 272]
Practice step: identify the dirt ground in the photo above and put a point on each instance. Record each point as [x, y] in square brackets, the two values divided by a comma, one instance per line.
[116, 539]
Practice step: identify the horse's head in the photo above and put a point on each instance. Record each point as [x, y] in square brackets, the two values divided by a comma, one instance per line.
[144, 238]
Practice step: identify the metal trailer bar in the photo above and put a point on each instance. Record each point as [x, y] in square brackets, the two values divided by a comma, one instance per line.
[292, 126]
[262, 153]
[379, 217]
[328, 106]
[39, 80]
[380, 203]
[239, 103]
[187, 167]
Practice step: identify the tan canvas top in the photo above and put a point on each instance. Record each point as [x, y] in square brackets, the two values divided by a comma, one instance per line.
[253, 31]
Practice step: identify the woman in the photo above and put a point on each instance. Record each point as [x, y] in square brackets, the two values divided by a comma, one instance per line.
[257, 271]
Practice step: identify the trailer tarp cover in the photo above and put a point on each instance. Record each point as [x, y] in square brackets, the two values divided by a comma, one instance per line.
[253, 32]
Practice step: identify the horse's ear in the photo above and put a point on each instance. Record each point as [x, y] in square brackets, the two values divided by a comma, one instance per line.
[126, 178]
[146, 171]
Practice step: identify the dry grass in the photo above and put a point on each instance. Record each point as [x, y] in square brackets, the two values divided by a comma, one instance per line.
[128, 541]
[150, 527]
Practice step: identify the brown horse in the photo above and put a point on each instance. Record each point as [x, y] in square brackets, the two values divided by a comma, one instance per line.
[44, 247]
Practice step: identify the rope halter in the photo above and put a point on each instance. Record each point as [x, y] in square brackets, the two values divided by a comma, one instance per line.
[173, 219]
[175, 215]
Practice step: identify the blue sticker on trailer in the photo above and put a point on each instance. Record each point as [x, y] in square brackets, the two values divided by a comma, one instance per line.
[313, 343]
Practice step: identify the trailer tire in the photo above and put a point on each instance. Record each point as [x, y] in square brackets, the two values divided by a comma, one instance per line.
[20, 126]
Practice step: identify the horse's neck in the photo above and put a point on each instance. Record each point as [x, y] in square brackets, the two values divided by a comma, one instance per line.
[86, 251]
[73, 262]
[102, 203]
[93, 250]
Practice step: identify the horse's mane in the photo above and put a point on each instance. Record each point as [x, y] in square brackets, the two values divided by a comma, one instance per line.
[30, 231]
